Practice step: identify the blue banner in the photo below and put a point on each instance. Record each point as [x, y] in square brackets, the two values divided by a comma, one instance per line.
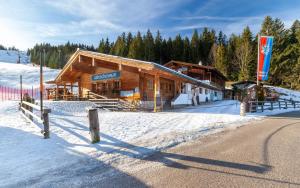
[106, 76]
[265, 53]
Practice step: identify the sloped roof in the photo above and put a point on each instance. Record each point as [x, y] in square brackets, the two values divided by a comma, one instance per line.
[133, 63]
[210, 68]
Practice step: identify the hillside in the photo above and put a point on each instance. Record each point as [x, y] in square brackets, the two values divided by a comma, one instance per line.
[12, 56]
[10, 71]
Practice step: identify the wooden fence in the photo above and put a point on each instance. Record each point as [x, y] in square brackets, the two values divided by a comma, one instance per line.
[42, 116]
[261, 106]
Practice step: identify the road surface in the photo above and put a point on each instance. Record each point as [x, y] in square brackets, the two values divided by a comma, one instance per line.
[264, 153]
[261, 154]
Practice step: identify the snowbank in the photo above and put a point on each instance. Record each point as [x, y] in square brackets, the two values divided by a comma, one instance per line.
[124, 135]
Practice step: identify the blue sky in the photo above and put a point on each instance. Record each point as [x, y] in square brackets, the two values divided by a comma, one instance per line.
[26, 22]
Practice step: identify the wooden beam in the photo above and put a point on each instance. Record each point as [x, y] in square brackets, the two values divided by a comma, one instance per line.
[93, 62]
[79, 88]
[156, 91]
[83, 69]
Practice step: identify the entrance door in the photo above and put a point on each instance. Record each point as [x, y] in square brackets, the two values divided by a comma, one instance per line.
[110, 88]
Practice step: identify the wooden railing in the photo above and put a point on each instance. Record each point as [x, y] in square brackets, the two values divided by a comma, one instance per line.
[261, 106]
[92, 95]
[115, 104]
[27, 112]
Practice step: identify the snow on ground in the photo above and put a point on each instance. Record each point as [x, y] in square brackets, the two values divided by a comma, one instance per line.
[10, 75]
[12, 56]
[27, 159]
[286, 93]
[125, 136]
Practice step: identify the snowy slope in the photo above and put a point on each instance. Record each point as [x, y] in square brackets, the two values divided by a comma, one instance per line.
[10, 75]
[286, 93]
[11, 56]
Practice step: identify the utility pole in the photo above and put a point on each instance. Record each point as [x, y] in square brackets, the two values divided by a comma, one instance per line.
[41, 80]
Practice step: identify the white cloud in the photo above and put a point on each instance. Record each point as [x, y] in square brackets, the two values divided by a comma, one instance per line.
[105, 16]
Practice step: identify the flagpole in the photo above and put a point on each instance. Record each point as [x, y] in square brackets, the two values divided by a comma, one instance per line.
[257, 72]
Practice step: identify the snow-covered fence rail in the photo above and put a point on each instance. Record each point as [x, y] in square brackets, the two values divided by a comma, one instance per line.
[27, 111]
[261, 106]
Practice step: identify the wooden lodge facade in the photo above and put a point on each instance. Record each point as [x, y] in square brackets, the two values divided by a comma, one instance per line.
[90, 75]
[204, 73]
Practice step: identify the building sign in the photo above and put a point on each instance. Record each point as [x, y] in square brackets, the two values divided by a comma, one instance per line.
[264, 57]
[106, 76]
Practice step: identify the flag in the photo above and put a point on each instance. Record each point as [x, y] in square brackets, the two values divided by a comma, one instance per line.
[264, 57]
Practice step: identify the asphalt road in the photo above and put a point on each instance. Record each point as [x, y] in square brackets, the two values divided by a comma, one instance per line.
[262, 154]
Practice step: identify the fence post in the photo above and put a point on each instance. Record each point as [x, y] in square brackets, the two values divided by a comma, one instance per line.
[94, 124]
[262, 107]
[46, 131]
[294, 103]
[271, 105]
[279, 105]
[286, 105]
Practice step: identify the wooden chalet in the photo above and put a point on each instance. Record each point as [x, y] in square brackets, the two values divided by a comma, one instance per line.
[91, 75]
[206, 74]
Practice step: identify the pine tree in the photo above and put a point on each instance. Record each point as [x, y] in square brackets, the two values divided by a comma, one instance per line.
[177, 49]
[158, 48]
[195, 57]
[119, 48]
[187, 50]
[149, 46]
[136, 49]
[101, 47]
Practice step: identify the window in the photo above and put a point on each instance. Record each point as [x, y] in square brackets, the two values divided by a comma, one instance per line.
[215, 94]
[150, 84]
[116, 85]
[206, 91]
[200, 90]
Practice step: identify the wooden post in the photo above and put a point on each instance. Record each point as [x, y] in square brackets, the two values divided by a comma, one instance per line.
[46, 131]
[94, 124]
[271, 105]
[262, 107]
[286, 105]
[56, 92]
[294, 103]
[156, 91]
[65, 93]
[79, 88]
[279, 105]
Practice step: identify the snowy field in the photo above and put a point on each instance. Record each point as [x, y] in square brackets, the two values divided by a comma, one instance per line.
[12, 56]
[125, 137]
[10, 75]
